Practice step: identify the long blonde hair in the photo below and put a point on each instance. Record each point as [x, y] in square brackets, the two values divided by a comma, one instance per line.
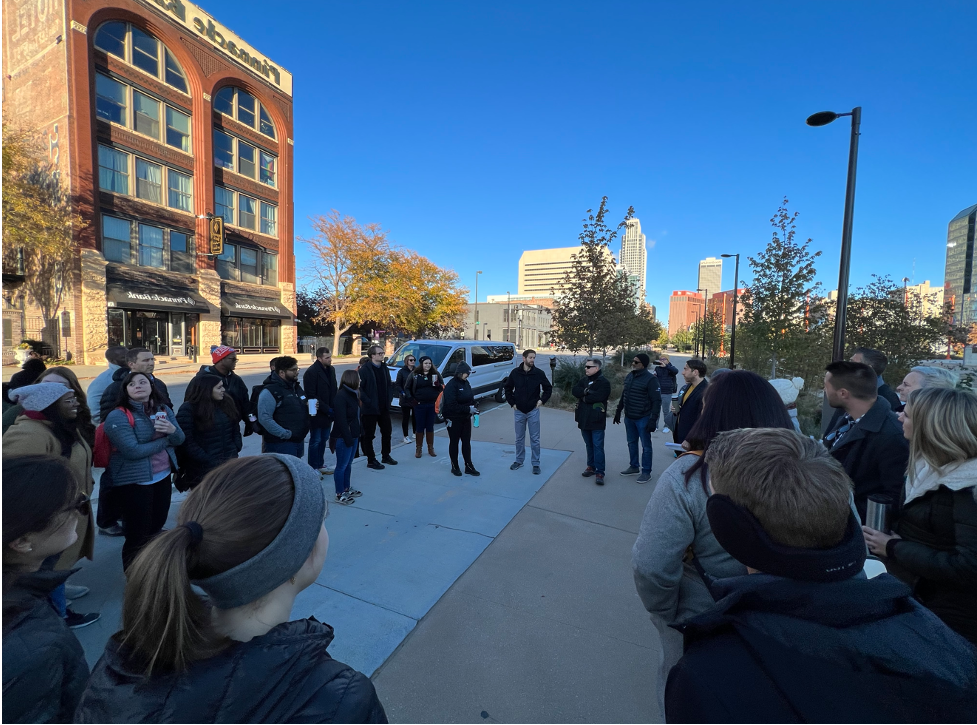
[944, 427]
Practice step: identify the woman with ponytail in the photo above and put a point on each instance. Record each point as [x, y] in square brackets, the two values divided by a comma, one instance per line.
[251, 536]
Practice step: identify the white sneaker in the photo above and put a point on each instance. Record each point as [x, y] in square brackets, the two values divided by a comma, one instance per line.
[327, 470]
[407, 439]
[666, 430]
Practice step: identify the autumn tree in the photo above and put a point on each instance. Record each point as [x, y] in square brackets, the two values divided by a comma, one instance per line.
[38, 226]
[422, 299]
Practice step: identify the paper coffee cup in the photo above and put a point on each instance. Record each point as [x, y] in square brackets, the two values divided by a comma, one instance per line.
[313, 406]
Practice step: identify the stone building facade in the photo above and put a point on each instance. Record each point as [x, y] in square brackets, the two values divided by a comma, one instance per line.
[156, 117]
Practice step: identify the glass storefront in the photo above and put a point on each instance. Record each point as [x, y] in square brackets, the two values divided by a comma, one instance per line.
[251, 334]
[164, 333]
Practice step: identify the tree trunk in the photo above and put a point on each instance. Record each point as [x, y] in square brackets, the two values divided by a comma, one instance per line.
[338, 329]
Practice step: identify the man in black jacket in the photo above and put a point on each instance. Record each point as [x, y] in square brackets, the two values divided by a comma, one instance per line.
[592, 392]
[138, 360]
[641, 403]
[283, 411]
[667, 375]
[689, 399]
[865, 435]
[320, 384]
[805, 637]
[526, 391]
[224, 361]
[878, 361]
[375, 395]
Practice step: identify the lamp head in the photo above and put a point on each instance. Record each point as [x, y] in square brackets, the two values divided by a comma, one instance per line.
[822, 118]
[727, 256]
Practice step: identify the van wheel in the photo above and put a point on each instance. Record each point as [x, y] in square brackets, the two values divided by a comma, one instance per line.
[500, 396]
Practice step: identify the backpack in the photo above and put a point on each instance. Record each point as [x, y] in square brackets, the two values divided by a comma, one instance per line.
[103, 445]
[253, 405]
[439, 404]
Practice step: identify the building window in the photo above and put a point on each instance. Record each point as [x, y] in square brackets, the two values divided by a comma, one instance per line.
[181, 256]
[223, 150]
[113, 170]
[245, 159]
[111, 100]
[180, 190]
[246, 264]
[269, 269]
[269, 219]
[242, 332]
[227, 263]
[235, 155]
[142, 50]
[249, 265]
[269, 169]
[115, 239]
[224, 101]
[149, 181]
[145, 114]
[150, 246]
[177, 129]
[224, 204]
[267, 127]
[245, 108]
[246, 211]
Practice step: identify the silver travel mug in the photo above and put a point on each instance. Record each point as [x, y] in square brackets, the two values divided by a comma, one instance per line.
[877, 513]
[675, 403]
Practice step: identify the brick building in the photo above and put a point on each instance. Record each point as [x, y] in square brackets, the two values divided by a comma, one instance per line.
[156, 115]
[721, 305]
[684, 309]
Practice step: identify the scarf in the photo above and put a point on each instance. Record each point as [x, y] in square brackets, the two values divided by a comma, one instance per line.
[955, 476]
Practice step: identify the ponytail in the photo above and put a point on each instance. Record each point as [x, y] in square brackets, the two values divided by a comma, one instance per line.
[239, 507]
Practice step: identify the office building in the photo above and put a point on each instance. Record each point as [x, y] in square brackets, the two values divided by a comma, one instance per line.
[634, 256]
[155, 116]
[542, 271]
[527, 299]
[525, 324]
[711, 275]
[684, 308]
[721, 305]
[930, 297]
[961, 292]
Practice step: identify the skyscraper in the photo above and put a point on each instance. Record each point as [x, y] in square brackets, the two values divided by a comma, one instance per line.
[959, 276]
[711, 275]
[684, 309]
[634, 256]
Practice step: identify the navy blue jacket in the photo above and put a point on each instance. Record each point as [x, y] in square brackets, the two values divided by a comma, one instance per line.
[666, 375]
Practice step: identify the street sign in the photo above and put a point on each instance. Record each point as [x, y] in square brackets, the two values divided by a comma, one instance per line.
[217, 235]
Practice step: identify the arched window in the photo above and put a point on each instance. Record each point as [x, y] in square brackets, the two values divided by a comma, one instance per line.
[140, 49]
[245, 108]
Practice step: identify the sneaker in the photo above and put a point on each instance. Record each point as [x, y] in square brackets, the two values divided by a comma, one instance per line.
[515, 466]
[343, 499]
[666, 429]
[375, 465]
[600, 479]
[644, 478]
[470, 470]
[353, 493]
[74, 620]
[389, 461]
[631, 470]
[72, 591]
[536, 470]
[113, 530]
[327, 471]
[407, 439]
[589, 472]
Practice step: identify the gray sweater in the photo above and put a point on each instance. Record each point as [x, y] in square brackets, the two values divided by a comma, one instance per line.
[675, 519]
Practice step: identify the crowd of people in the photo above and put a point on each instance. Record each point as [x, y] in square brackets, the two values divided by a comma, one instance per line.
[750, 557]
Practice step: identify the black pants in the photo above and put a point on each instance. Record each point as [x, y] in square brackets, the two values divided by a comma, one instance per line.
[108, 512]
[460, 430]
[370, 423]
[407, 416]
[144, 512]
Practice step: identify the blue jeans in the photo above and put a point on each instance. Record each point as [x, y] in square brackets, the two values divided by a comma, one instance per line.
[640, 428]
[424, 417]
[594, 440]
[521, 420]
[289, 448]
[318, 438]
[344, 464]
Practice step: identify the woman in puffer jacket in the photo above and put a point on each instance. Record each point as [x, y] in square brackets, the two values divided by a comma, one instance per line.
[209, 420]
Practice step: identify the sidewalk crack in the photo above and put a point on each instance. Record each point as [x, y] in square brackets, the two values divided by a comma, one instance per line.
[580, 518]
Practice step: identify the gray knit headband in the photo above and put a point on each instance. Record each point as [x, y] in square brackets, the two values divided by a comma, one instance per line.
[285, 555]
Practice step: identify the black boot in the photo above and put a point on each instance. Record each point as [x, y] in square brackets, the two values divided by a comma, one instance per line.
[470, 470]
[454, 468]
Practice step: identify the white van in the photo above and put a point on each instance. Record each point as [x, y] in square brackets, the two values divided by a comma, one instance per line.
[491, 363]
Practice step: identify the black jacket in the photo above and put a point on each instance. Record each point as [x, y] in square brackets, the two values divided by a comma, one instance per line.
[425, 389]
[346, 410]
[234, 386]
[400, 387]
[592, 394]
[889, 394]
[666, 378]
[937, 555]
[689, 411]
[320, 383]
[524, 390]
[204, 449]
[111, 395]
[375, 388]
[641, 397]
[458, 398]
[291, 407]
[44, 668]
[285, 675]
[874, 453]
[860, 650]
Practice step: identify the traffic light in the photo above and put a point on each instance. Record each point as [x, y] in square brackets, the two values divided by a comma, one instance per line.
[217, 235]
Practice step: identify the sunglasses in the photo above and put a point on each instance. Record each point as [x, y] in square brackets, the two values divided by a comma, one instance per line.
[590, 366]
[81, 506]
[635, 362]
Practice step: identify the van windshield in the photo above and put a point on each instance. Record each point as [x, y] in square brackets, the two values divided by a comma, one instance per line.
[437, 353]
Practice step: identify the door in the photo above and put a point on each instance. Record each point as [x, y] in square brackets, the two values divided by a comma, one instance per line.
[155, 335]
[178, 345]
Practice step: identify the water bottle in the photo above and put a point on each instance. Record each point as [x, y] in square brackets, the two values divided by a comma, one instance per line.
[475, 420]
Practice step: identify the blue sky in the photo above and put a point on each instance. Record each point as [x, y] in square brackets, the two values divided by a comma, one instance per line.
[473, 131]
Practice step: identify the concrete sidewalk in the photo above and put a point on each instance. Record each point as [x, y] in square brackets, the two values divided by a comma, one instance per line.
[545, 626]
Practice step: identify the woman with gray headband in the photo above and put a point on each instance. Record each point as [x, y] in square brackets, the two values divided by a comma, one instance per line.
[251, 536]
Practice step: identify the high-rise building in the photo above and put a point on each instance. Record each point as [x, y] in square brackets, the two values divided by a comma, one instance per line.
[634, 256]
[542, 271]
[684, 308]
[154, 116]
[711, 275]
[930, 297]
[961, 292]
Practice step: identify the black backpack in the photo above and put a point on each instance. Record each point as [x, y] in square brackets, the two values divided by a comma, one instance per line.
[253, 404]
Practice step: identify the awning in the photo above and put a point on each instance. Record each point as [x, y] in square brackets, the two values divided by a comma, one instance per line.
[172, 299]
[263, 307]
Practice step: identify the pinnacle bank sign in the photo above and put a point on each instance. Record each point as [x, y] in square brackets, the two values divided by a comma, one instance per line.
[223, 39]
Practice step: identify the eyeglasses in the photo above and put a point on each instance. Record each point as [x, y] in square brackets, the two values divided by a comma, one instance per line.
[82, 506]
[635, 362]
[590, 366]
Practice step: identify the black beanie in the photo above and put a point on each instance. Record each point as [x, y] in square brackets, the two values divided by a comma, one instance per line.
[645, 360]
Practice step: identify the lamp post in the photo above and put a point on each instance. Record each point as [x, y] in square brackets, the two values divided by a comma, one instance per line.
[476, 302]
[822, 119]
[705, 315]
[736, 284]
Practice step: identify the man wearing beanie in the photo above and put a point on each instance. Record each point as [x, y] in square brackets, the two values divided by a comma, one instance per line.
[224, 361]
[805, 637]
[641, 403]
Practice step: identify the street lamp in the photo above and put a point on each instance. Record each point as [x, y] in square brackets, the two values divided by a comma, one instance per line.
[705, 314]
[736, 284]
[822, 119]
[476, 302]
